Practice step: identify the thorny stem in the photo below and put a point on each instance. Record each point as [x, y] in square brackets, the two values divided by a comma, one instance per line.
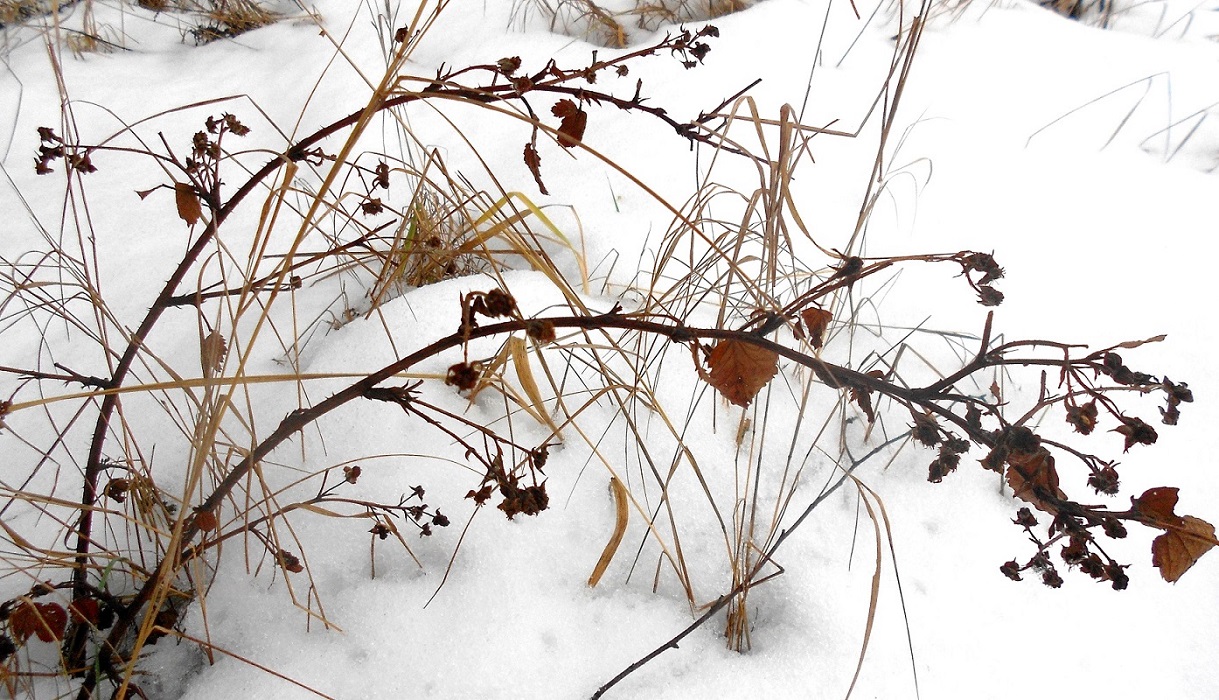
[833, 375]
[301, 150]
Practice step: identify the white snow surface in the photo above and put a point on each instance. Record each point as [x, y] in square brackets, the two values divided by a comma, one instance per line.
[1083, 157]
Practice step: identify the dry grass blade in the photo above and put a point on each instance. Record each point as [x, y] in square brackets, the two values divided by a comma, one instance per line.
[621, 517]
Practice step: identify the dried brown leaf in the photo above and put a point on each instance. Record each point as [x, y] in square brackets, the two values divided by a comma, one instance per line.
[739, 369]
[816, 321]
[212, 350]
[534, 162]
[188, 203]
[571, 129]
[1157, 505]
[1033, 478]
[47, 621]
[1181, 546]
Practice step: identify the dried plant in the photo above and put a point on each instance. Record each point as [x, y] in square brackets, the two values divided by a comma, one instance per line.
[743, 304]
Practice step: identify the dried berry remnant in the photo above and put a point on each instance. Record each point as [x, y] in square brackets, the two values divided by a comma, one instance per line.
[508, 65]
[1105, 480]
[116, 490]
[1011, 570]
[372, 206]
[943, 465]
[352, 474]
[1113, 366]
[1083, 418]
[206, 520]
[382, 176]
[517, 499]
[462, 375]
[925, 430]
[989, 296]
[538, 456]
[494, 304]
[1114, 528]
[1025, 518]
[481, 495]
[849, 268]
[290, 562]
[984, 263]
[1136, 432]
[380, 531]
[541, 332]
[7, 647]
[1177, 394]
[1051, 578]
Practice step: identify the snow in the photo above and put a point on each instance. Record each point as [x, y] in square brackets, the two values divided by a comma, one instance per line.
[1083, 157]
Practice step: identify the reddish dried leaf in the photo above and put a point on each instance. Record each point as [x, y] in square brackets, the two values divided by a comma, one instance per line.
[739, 370]
[47, 621]
[571, 129]
[85, 611]
[205, 520]
[564, 108]
[864, 400]
[816, 321]
[534, 161]
[1177, 550]
[1033, 478]
[1157, 506]
[188, 203]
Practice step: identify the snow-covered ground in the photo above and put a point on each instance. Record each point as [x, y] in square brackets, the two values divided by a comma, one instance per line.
[1084, 157]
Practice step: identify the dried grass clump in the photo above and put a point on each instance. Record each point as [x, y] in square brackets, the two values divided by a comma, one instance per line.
[614, 24]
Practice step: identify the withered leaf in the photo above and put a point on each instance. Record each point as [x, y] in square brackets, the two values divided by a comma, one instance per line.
[863, 399]
[47, 621]
[188, 203]
[739, 369]
[85, 611]
[1033, 478]
[1157, 505]
[816, 321]
[212, 350]
[534, 162]
[1181, 546]
[571, 129]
